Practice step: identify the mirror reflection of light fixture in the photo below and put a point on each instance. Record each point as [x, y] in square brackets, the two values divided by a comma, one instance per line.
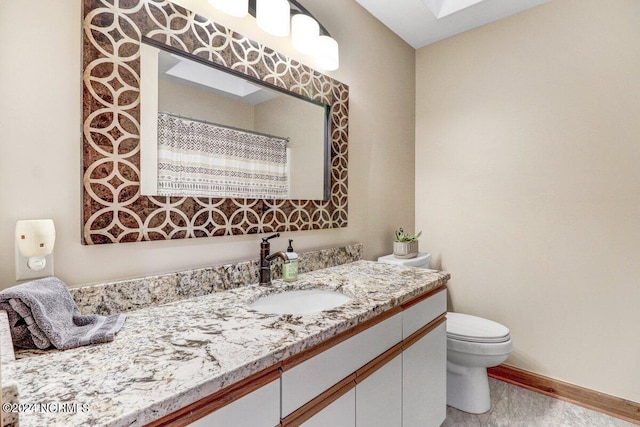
[34, 245]
[237, 8]
[308, 35]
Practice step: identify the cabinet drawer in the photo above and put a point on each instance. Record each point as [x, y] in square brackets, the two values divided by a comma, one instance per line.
[305, 381]
[260, 408]
[416, 316]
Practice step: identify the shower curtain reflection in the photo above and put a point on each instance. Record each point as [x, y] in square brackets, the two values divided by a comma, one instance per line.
[202, 159]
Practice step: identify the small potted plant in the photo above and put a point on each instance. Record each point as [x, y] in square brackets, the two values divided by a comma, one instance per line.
[405, 245]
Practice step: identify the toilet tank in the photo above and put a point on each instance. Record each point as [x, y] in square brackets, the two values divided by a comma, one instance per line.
[421, 261]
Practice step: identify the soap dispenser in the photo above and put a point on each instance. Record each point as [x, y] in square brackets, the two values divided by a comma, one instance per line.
[290, 269]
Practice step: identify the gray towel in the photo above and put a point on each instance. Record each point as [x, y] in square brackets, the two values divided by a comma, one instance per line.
[43, 313]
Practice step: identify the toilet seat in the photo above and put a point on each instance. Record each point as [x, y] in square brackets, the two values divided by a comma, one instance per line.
[473, 329]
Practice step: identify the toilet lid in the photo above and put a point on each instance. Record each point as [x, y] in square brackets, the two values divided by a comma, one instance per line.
[465, 327]
[422, 260]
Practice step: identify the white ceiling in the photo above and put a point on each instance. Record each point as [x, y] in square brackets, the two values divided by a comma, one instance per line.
[416, 24]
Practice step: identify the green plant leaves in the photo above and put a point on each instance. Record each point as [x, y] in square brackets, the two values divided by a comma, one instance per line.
[401, 236]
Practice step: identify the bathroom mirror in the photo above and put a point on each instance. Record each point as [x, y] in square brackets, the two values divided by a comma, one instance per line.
[191, 100]
[114, 208]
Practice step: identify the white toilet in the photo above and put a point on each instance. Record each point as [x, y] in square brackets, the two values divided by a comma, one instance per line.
[473, 345]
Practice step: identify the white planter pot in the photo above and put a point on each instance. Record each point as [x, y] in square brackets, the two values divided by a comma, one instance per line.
[405, 249]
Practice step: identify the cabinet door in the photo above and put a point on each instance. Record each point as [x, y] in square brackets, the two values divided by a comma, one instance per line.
[341, 413]
[424, 380]
[260, 408]
[379, 397]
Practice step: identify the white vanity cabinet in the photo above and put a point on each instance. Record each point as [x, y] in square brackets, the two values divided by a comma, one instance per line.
[379, 396]
[395, 370]
[424, 361]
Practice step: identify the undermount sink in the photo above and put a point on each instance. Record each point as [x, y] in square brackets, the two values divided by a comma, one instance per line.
[306, 301]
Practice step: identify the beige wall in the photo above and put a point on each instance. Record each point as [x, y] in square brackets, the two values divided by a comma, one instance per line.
[40, 148]
[305, 126]
[190, 101]
[528, 184]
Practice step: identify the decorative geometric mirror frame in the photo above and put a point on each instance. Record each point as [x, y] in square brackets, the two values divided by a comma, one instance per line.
[114, 211]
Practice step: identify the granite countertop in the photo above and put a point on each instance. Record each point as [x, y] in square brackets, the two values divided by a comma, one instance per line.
[171, 355]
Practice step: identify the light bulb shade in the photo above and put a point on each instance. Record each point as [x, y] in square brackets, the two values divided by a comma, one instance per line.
[237, 8]
[273, 16]
[327, 55]
[35, 237]
[304, 33]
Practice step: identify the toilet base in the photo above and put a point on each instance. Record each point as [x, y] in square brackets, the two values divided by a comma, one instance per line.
[468, 388]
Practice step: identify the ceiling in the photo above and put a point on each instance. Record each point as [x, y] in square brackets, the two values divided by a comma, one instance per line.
[416, 23]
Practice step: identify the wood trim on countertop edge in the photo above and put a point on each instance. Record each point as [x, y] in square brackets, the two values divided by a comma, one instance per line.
[227, 395]
[590, 399]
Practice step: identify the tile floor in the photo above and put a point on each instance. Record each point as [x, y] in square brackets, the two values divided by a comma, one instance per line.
[513, 406]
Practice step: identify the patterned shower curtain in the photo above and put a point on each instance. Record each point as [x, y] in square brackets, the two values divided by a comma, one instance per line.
[205, 160]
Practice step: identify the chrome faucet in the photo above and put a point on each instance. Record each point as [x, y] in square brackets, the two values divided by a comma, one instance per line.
[266, 258]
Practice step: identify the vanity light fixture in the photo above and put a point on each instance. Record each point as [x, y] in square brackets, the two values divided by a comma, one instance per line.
[273, 17]
[34, 247]
[280, 17]
[327, 53]
[305, 33]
